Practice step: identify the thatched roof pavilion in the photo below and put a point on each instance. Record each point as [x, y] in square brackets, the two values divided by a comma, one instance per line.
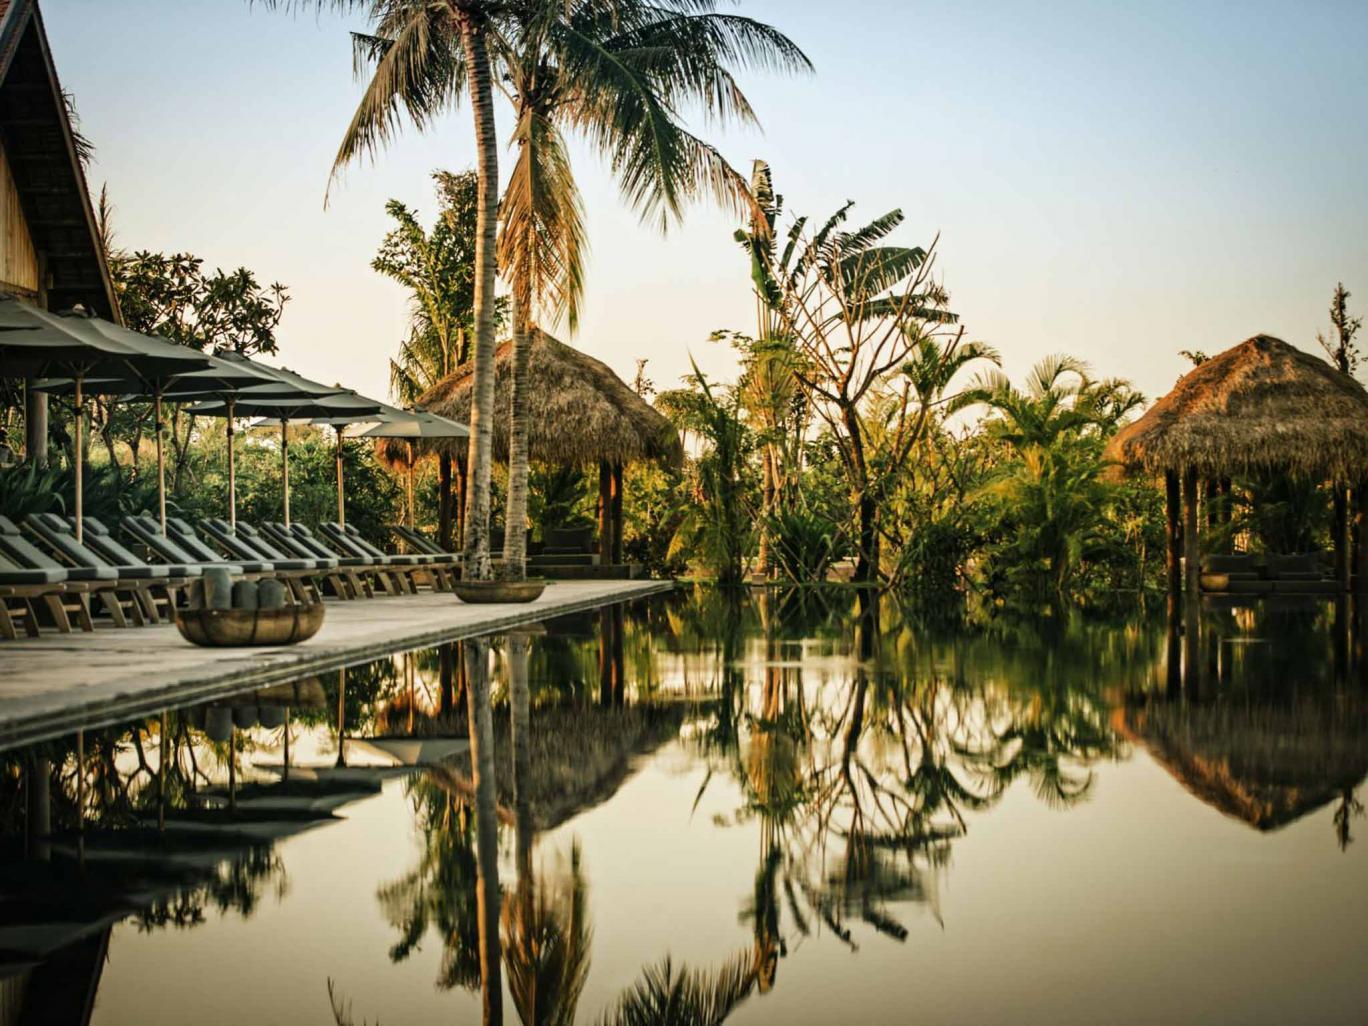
[1261, 405]
[582, 413]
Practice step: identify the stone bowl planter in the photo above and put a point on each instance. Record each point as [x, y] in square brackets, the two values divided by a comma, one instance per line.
[500, 591]
[230, 628]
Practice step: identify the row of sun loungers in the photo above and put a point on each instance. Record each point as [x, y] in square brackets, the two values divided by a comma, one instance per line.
[48, 578]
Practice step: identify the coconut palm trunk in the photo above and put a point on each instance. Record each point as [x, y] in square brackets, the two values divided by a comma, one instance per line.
[515, 512]
[472, 28]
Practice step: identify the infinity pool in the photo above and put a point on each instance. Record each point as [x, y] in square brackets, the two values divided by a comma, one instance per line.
[779, 808]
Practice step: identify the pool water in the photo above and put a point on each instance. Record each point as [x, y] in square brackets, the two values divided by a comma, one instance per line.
[774, 808]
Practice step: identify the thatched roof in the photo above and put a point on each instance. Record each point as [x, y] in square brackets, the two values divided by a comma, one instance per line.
[1263, 405]
[1262, 765]
[582, 413]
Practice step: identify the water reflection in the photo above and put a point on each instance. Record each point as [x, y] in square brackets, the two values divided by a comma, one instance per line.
[852, 748]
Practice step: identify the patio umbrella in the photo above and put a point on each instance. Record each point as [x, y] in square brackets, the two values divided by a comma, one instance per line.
[411, 425]
[222, 377]
[391, 422]
[292, 397]
[36, 342]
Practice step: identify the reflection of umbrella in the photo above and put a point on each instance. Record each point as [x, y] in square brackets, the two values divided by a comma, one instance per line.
[393, 422]
[221, 378]
[412, 751]
[288, 397]
[79, 346]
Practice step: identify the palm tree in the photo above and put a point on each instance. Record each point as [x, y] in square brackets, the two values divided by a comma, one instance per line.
[427, 54]
[617, 73]
[437, 267]
[1053, 431]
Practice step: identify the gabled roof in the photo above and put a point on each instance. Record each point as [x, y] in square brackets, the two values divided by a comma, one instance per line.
[41, 150]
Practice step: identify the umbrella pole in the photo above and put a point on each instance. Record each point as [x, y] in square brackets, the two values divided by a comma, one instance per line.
[161, 461]
[285, 465]
[232, 469]
[410, 484]
[80, 461]
[341, 500]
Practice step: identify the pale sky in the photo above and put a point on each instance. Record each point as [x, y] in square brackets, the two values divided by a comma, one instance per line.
[1117, 182]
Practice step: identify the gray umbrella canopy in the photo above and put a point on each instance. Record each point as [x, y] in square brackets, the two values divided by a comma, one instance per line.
[40, 343]
[76, 345]
[288, 397]
[393, 422]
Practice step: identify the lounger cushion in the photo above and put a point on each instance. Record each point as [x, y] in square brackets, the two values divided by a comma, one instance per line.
[184, 535]
[11, 574]
[278, 555]
[92, 573]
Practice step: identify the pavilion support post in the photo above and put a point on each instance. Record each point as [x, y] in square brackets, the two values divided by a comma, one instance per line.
[412, 457]
[445, 520]
[1360, 568]
[462, 479]
[616, 483]
[1192, 569]
[1173, 560]
[35, 426]
[605, 512]
[1340, 539]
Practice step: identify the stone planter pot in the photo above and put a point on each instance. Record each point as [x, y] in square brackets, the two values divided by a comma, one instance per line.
[492, 592]
[227, 628]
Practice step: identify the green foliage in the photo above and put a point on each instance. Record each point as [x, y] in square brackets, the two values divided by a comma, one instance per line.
[1051, 500]
[28, 488]
[653, 509]
[374, 497]
[718, 528]
[438, 269]
[806, 544]
[1284, 514]
[559, 497]
[171, 295]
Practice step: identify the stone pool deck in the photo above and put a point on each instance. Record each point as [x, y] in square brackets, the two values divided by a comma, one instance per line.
[53, 684]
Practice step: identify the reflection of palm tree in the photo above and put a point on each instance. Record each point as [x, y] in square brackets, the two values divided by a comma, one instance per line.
[665, 996]
[546, 939]
[1348, 807]
[439, 892]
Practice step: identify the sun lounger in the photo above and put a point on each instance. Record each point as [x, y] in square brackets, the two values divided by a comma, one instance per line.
[404, 569]
[361, 575]
[155, 587]
[420, 543]
[325, 566]
[297, 575]
[144, 532]
[438, 569]
[21, 587]
[100, 581]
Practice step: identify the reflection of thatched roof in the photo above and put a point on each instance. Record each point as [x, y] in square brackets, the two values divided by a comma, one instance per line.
[581, 412]
[1261, 405]
[580, 757]
[1266, 766]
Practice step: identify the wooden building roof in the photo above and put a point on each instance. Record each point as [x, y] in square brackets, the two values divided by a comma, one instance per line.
[40, 149]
